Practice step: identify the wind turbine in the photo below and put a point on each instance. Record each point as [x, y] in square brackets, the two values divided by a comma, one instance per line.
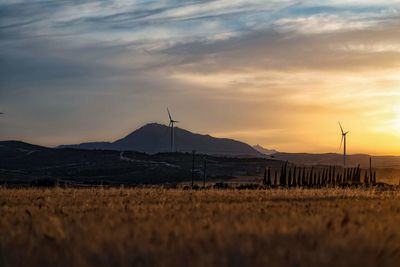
[171, 125]
[343, 141]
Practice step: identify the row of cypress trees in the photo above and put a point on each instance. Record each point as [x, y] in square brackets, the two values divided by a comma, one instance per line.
[308, 178]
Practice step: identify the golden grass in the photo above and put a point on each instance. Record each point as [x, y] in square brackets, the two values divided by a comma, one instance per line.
[142, 227]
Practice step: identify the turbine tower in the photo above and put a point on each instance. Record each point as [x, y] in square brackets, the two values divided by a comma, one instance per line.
[343, 141]
[171, 125]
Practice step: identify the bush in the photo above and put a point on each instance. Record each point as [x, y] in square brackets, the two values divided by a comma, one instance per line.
[221, 186]
[249, 187]
[45, 182]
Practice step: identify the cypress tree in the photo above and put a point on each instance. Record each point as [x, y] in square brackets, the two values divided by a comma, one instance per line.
[265, 177]
[322, 178]
[371, 178]
[299, 184]
[315, 179]
[344, 176]
[319, 179]
[329, 175]
[356, 175]
[269, 182]
[374, 180]
[302, 177]
[285, 175]
[312, 179]
[349, 176]
[307, 182]
[370, 170]
[306, 178]
[334, 176]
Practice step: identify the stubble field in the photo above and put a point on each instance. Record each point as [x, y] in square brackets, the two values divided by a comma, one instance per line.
[159, 227]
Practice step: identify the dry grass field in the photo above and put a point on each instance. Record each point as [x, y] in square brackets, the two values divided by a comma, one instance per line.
[158, 227]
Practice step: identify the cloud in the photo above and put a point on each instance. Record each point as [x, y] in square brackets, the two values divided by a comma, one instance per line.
[367, 49]
[76, 70]
[321, 23]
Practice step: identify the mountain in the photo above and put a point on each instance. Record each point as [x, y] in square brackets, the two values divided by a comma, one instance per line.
[154, 137]
[337, 159]
[264, 150]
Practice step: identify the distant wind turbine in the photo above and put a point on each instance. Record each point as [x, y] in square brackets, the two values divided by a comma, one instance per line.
[343, 141]
[171, 125]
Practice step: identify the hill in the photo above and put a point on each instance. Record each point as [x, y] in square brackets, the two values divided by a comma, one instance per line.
[22, 164]
[153, 138]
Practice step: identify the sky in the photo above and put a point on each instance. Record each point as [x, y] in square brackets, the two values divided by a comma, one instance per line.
[276, 73]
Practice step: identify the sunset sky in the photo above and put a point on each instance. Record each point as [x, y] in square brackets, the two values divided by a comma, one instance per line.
[276, 73]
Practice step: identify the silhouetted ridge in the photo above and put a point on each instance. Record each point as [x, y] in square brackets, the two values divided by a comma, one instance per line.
[19, 145]
[154, 137]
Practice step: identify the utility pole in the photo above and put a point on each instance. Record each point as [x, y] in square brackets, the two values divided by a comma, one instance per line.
[193, 154]
[370, 170]
[205, 173]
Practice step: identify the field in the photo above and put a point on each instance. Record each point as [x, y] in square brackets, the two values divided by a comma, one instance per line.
[160, 227]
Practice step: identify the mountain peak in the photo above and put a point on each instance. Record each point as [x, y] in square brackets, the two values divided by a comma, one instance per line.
[153, 125]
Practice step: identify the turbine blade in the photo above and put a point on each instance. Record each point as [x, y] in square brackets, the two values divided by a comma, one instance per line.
[341, 128]
[169, 115]
[346, 132]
